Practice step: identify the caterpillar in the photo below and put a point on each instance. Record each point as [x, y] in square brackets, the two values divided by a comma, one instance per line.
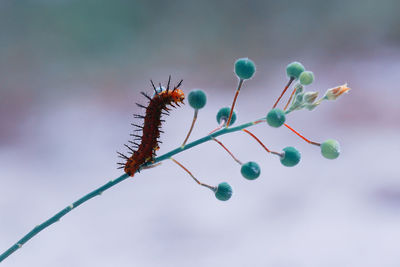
[145, 150]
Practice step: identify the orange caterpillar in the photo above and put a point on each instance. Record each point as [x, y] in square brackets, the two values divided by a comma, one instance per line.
[145, 150]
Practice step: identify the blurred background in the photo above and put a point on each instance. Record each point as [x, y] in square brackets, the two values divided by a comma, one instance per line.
[71, 71]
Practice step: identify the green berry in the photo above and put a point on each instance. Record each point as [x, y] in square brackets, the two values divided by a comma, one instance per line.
[306, 77]
[250, 170]
[197, 99]
[223, 114]
[291, 156]
[330, 149]
[276, 117]
[223, 191]
[294, 70]
[244, 68]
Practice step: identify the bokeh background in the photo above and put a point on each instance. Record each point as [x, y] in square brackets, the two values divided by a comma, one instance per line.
[71, 71]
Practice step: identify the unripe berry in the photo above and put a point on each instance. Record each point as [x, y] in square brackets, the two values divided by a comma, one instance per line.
[294, 70]
[223, 114]
[197, 99]
[306, 77]
[291, 156]
[250, 170]
[223, 191]
[244, 68]
[330, 149]
[276, 117]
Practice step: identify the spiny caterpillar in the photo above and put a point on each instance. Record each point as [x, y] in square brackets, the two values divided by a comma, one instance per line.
[145, 150]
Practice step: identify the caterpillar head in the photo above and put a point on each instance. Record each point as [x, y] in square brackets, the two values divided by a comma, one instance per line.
[177, 95]
[174, 95]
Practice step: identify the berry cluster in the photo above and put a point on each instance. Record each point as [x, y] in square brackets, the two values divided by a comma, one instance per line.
[276, 117]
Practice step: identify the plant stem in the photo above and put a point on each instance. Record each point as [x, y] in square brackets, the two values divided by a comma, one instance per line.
[204, 139]
[111, 183]
[60, 214]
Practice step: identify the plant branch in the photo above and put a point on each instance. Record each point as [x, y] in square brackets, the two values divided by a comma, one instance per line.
[60, 214]
[116, 181]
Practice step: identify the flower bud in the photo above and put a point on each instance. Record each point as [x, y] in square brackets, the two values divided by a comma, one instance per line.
[333, 93]
[297, 103]
[309, 97]
[299, 88]
[312, 106]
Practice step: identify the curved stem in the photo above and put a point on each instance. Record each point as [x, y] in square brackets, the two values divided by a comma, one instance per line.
[302, 137]
[283, 92]
[111, 183]
[227, 150]
[290, 98]
[60, 214]
[203, 139]
[234, 102]
[213, 188]
[196, 112]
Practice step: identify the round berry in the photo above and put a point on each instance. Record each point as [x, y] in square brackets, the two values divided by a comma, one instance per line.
[250, 170]
[223, 191]
[294, 70]
[306, 77]
[276, 117]
[223, 115]
[291, 156]
[244, 68]
[197, 99]
[330, 149]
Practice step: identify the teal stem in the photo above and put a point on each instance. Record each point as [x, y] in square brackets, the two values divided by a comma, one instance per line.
[60, 214]
[202, 140]
[111, 183]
